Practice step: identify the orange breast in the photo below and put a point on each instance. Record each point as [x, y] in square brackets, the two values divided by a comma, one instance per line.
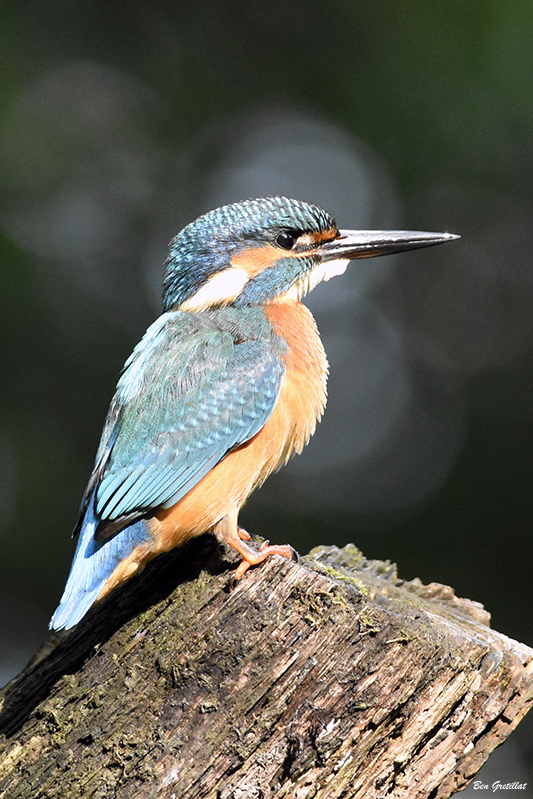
[303, 392]
[226, 487]
[300, 404]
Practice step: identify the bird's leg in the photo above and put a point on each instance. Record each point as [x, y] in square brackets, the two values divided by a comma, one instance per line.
[228, 531]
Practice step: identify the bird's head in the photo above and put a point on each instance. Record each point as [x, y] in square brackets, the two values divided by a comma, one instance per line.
[259, 251]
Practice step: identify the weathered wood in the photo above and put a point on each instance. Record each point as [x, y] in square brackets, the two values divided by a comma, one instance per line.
[329, 678]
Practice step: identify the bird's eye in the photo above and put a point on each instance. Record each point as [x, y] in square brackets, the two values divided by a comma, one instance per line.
[286, 239]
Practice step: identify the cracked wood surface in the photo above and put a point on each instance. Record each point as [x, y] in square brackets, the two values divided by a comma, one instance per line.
[329, 678]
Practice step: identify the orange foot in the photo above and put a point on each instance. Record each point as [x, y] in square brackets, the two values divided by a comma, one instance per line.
[251, 557]
[228, 531]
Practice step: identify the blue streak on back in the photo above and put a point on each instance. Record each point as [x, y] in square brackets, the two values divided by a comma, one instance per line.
[93, 564]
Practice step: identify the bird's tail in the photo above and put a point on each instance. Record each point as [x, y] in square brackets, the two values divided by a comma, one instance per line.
[93, 564]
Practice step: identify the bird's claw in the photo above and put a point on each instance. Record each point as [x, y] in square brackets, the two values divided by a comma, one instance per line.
[255, 557]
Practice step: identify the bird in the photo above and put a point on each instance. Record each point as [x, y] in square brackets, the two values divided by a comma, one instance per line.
[223, 388]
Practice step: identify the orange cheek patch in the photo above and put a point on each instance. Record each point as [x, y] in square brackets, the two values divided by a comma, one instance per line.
[256, 259]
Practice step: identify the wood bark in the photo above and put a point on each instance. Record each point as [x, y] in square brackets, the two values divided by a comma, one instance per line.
[327, 678]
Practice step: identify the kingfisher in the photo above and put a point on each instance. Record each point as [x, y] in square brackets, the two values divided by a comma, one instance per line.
[223, 388]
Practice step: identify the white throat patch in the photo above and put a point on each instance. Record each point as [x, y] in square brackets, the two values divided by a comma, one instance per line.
[321, 273]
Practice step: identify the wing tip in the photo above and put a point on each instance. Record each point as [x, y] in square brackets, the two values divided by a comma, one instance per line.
[94, 563]
[72, 610]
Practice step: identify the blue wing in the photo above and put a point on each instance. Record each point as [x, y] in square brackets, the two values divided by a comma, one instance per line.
[194, 388]
[187, 397]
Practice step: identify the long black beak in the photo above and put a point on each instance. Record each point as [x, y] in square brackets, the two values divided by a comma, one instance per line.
[368, 243]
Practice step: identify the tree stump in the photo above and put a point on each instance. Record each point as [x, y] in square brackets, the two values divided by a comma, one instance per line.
[328, 678]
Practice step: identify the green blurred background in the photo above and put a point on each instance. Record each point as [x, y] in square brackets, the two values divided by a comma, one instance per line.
[120, 122]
